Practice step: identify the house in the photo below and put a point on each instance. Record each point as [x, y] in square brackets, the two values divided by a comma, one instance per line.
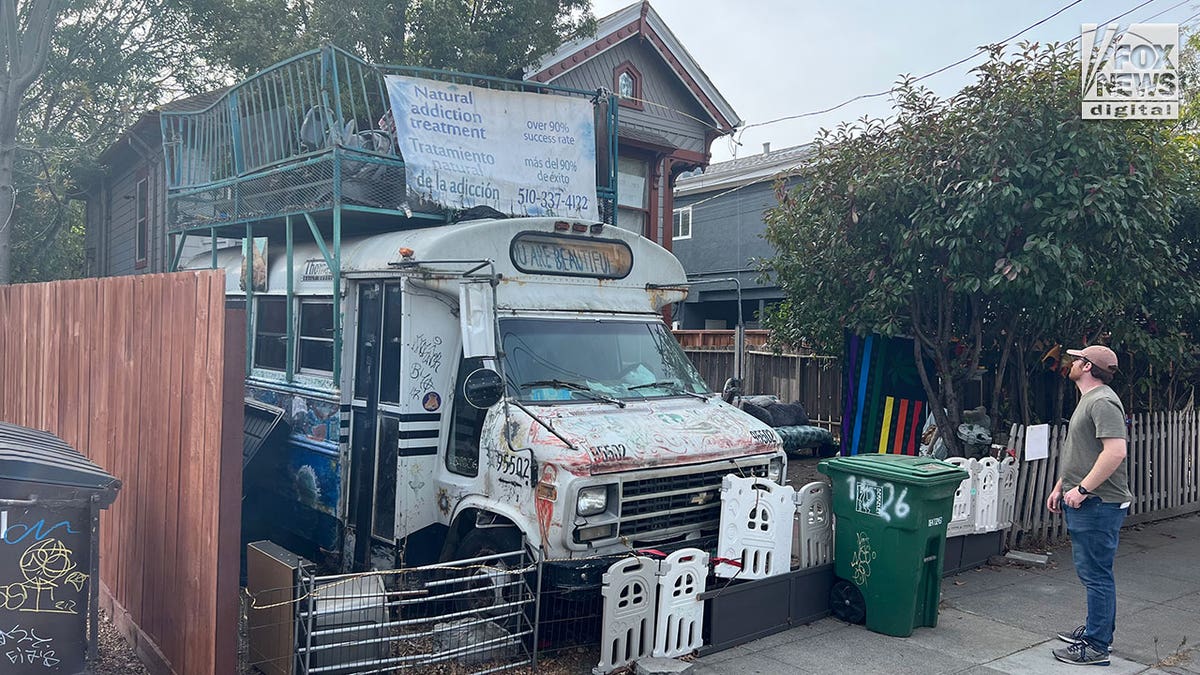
[668, 115]
[670, 112]
[717, 234]
[125, 219]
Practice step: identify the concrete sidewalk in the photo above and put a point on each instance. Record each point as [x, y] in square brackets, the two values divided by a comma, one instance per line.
[1003, 620]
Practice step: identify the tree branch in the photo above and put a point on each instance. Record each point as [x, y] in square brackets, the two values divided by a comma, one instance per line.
[31, 60]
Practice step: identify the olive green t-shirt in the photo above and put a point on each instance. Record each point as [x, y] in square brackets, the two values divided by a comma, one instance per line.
[1099, 415]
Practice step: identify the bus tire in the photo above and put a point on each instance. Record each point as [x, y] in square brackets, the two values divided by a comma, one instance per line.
[491, 593]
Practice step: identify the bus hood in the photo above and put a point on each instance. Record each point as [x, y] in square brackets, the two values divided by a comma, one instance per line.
[645, 434]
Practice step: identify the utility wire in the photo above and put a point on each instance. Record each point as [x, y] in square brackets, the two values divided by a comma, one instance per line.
[943, 69]
[959, 62]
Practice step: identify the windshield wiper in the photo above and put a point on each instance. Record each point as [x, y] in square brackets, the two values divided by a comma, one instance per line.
[576, 387]
[671, 385]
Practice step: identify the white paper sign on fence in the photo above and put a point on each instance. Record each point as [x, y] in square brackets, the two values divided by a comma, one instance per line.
[520, 153]
[1037, 442]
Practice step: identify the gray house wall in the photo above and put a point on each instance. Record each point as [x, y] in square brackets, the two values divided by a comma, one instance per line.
[726, 232]
[727, 241]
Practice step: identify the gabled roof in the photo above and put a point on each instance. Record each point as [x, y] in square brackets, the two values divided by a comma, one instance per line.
[639, 19]
[744, 170]
[148, 122]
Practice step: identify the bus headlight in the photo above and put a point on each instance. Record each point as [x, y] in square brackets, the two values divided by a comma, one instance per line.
[592, 500]
[775, 470]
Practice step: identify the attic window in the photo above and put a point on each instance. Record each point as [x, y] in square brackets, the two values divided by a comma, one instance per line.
[625, 85]
[628, 83]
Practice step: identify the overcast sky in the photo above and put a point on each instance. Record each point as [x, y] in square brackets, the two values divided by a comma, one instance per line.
[775, 58]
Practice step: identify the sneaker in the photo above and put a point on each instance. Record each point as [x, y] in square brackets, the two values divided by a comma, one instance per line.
[1073, 637]
[1082, 654]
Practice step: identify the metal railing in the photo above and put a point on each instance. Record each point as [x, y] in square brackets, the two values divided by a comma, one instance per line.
[316, 132]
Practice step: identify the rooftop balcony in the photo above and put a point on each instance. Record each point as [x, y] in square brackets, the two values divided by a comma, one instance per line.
[313, 137]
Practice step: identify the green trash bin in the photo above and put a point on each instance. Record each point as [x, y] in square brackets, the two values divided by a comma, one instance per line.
[891, 513]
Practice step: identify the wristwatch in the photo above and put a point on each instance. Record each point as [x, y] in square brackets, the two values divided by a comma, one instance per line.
[1083, 490]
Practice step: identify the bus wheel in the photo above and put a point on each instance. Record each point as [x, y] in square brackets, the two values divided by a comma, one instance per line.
[495, 593]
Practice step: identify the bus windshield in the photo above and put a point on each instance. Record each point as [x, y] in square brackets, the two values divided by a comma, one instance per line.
[577, 360]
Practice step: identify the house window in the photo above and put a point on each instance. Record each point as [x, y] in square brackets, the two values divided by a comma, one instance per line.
[142, 238]
[315, 344]
[682, 228]
[625, 85]
[631, 194]
[628, 83]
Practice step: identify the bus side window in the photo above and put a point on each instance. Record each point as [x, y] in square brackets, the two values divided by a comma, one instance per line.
[270, 333]
[389, 360]
[315, 340]
[466, 425]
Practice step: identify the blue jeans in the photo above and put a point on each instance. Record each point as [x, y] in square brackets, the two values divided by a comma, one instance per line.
[1095, 528]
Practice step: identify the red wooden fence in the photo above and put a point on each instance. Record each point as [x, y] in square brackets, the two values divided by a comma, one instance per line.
[144, 376]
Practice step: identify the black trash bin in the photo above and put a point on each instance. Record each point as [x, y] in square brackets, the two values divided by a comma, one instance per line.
[50, 502]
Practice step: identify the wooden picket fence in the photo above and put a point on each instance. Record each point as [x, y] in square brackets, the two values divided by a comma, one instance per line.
[1164, 475]
[144, 376]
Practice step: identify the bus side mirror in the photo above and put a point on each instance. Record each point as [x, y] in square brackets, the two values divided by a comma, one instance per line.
[731, 390]
[477, 320]
[483, 388]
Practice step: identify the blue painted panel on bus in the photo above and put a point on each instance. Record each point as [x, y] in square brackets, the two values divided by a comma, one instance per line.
[313, 419]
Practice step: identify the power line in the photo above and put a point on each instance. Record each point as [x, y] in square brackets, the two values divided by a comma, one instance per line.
[940, 70]
[959, 62]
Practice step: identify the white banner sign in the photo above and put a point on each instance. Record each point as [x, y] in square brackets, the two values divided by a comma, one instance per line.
[519, 153]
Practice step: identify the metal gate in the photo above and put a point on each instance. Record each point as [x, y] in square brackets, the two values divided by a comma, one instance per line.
[474, 616]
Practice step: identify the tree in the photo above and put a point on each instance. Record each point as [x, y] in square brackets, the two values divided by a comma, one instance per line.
[979, 222]
[490, 37]
[108, 62]
[26, 27]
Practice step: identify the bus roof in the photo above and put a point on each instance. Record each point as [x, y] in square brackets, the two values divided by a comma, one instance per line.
[544, 264]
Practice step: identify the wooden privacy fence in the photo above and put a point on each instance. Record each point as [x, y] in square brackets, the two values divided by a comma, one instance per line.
[719, 339]
[1164, 475]
[144, 376]
[815, 381]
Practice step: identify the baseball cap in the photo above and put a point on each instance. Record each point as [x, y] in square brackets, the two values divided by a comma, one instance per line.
[1100, 356]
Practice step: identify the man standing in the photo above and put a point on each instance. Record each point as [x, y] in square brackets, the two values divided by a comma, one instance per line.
[1093, 490]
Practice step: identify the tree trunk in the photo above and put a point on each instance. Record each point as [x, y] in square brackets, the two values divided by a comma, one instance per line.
[1060, 391]
[998, 376]
[22, 58]
[399, 26]
[939, 399]
[8, 208]
[1021, 374]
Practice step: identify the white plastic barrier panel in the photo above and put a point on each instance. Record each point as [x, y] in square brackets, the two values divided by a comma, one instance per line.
[1008, 493]
[813, 542]
[756, 528]
[679, 627]
[629, 591]
[962, 514]
[987, 479]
